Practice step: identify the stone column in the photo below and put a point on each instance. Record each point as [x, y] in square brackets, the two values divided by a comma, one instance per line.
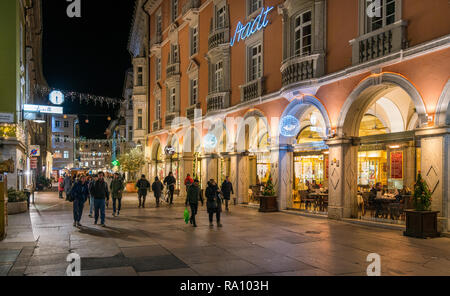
[211, 167]
[282, 170]
[242, 179]
[435, 170]
[343, 179]
[234, 173]
[186, 164]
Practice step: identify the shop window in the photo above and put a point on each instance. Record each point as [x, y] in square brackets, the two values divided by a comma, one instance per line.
[303, 34]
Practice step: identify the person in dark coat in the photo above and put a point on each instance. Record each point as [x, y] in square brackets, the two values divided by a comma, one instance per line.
[117, 188]
[79, 194]
[193, 196]
[227, 190]
[67, 184]
[143, 186]
[170, 182]
[213, 202]
[157, 188]
[100, 192]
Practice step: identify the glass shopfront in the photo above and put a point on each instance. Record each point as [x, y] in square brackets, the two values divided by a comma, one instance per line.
[386, 176]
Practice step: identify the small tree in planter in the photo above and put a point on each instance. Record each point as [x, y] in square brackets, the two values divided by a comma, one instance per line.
[421, 222]
[268, 200]
[17, 202]
[132, 162]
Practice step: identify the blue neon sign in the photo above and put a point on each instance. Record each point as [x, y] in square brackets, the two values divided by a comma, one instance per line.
[260, 22]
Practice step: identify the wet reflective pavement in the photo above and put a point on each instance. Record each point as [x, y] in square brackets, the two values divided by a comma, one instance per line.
[157, 242]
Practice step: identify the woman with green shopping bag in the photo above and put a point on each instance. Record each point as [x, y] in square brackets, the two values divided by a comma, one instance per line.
[193, 196]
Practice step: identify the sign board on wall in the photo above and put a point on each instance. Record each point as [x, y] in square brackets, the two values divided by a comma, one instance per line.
[397, 165]
[43, 109]
[6, 118]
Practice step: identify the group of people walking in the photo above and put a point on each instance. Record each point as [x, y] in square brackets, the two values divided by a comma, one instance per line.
[98, 190]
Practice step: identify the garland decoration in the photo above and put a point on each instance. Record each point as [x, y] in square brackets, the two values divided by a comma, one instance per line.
[45, 91]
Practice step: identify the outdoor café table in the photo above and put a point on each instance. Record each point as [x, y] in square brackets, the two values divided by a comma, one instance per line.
[319, 199]
[382, 204]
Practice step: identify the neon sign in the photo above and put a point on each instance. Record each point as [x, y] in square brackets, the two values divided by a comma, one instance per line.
[260, 22]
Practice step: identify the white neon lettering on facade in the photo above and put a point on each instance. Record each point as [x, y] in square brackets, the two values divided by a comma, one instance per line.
[242, 32]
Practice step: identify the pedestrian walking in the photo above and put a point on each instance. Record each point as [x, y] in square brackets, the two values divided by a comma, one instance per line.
[60, 187]
[227, 190]
[170, 182]
[157, 188]
[188, 181]
[193, 197]
[92, 180]
[67, 184]
[79, 194]
[213, 202]
[99, 190]
[117, 188]
[143, 186]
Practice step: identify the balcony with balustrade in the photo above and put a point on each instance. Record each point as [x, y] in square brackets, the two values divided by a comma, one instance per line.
[192, 113]
[380, 43]
[217, 101]
[191, 6]
[252, 90]
[300, 68]
[172, 70]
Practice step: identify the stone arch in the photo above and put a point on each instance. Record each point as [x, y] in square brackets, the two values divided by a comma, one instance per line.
[299, 106]
[154, 148]
[362, 96]
[443, 111]
[251, 120]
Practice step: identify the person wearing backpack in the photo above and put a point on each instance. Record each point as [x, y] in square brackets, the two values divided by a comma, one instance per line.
[157, 188]
[79, 195]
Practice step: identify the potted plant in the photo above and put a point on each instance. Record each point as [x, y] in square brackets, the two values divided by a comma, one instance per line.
[268, 199]
[421, 222]
[132, 162]
[17, 202]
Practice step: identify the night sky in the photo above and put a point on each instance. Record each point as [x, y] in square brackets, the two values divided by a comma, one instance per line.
[87, 54]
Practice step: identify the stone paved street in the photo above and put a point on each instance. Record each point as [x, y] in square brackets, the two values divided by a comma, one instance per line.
[157, 242]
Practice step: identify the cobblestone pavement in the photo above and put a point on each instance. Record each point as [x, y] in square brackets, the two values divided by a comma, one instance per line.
[157, 242]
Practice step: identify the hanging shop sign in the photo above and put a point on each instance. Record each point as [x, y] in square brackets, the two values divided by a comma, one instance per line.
[34, 151]
[42, 109]
[289, 126]
[169, 150]
[56, 97]
[257, 24]
[33, 163]
[210, 141]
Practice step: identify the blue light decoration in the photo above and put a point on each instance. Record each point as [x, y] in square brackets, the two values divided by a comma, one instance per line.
[289, 126]
[210, 141]
[242, 32]
[56, 97]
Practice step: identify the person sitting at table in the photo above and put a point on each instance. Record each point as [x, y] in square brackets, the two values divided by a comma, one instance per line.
[315, 185]
[373, 198]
